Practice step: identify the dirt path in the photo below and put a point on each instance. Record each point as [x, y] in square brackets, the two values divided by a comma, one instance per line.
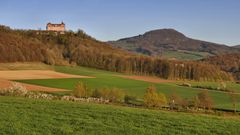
[146, 79]
[7, 76]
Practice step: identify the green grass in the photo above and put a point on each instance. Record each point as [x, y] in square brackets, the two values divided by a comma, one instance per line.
[106, 79]
[229, 85]
[20, 116]
[185, 55]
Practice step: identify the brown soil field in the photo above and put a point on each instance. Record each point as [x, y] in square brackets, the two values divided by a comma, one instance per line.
[147, 79]
[35, 74]
[8, 75]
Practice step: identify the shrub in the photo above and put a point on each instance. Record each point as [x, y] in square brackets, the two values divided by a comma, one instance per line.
[175, 101]
[101, 93]
[81, 91]
[153, 99]
[194, 102]
[129, 99]
[205, 100]
[114, 95]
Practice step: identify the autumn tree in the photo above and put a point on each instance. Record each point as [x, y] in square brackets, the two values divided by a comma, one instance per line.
[81, 90]
[194, 102]
[205, 100]
[174, 101]
[154, 99]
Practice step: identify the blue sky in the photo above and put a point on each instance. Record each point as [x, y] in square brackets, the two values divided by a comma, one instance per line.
[211, 20]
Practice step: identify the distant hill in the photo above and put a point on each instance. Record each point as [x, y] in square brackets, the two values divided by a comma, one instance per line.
[170, 43]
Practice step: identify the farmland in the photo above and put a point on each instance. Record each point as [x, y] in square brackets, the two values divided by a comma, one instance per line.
[28, 116]
[106, 79]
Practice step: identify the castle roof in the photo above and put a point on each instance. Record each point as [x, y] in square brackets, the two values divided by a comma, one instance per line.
[56, 24]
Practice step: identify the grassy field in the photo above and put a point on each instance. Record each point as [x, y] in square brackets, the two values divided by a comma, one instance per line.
[106, 79]
[28, 116]
[229, 85]
[185, 55]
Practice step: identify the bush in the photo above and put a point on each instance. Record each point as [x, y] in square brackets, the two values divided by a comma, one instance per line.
[114, 95]
[194, 102]
[205, 100]
[153, 99]
[101, 93]
[129, 99]
[175, 101]
[81, 91]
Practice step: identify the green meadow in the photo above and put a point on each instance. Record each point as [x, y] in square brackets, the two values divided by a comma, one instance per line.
[30, 116]
[185, 55]
[105, 79]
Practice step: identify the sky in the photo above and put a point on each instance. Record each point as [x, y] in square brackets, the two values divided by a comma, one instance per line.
[210, 20]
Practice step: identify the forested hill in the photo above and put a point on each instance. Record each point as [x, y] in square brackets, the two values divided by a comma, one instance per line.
[81, 49]
[31, 45]
[158, 42]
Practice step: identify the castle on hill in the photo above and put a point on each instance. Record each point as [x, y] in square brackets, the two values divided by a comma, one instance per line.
[56, 27]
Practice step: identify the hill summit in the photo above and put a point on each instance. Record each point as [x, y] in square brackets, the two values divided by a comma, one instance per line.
[158, 42]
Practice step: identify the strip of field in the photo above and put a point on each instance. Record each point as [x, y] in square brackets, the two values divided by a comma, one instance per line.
[146, 79]
[35, 74]
[7, 76]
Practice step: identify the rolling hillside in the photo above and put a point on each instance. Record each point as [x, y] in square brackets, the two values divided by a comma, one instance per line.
[164, 41]
[47, 47]
[78, 48]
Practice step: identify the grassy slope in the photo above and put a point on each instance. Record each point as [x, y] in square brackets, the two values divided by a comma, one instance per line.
[107, 79]
[185, 55]
[27, 116]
